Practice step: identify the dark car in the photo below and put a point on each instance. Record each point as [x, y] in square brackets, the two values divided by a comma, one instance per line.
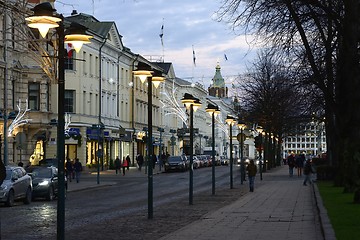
[175, 163]
[45, 182]
[49, 162]
[17, 185]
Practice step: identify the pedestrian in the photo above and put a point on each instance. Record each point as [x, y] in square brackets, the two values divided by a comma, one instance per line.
[117, 164]
[252, 170]
[69, 169]
[308, 169]
[140, 161]
[300, 164]
[291, 164]
[163, 159]
[78, 169]
[124, 165]
[20, 164]
[128, 162]
[154, 160]
[2, 172]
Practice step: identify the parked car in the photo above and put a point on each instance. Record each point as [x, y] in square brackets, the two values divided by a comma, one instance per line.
[224, 160]
[176, 163]
[16, 186]
[196, 162]
[45, 182]
[49, 162]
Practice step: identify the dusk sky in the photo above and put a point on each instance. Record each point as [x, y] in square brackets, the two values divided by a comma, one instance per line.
[188, 25]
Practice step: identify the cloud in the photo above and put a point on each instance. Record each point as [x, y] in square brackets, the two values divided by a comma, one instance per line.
[187, 23]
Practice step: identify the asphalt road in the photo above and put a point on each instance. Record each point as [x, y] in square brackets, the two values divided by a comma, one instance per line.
[119, 211]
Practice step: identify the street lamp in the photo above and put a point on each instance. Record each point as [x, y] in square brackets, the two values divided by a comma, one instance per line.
[173, 141]
[192, 104]
[230, 120]
[260, 130]
[242, 126]
[213, 110]
[44, 18]
[161, 130]
[145, 72]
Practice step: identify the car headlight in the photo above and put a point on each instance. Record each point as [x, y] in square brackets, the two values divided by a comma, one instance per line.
[44, 183]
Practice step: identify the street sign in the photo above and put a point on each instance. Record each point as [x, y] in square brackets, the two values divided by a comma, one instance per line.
[241, 137]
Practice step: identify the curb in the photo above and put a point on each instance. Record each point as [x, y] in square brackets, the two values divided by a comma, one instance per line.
[326, 227]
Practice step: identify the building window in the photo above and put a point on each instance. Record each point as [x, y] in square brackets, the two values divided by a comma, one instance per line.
[69, 60]
[69, 104]
[34, 96]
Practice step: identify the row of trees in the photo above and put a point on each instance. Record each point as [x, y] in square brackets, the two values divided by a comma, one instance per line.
[311, 64]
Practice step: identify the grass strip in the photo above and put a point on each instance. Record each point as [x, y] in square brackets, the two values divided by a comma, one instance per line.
[343, 213]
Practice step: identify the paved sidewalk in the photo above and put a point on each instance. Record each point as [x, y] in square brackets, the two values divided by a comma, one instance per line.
[280, 208]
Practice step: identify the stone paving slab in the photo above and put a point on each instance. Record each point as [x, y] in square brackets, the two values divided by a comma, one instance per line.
[280, 208]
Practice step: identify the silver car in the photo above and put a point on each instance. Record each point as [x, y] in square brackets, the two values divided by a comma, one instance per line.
[17, 185]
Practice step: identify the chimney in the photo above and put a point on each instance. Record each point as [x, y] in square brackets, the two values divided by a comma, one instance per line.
[74, 12]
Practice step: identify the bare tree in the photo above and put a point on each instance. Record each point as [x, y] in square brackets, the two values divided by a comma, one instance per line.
[271, 97]
[323, 37]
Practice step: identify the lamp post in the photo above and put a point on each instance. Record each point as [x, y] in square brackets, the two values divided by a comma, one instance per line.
[242, 126]
[44, 19]
[230, 120]
[173, 141]
[213, 110]
[260, 130]
[161, 130]
[192, 104]
[144, 72]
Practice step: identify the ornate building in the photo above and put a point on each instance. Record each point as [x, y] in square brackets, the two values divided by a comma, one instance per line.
[218, 88]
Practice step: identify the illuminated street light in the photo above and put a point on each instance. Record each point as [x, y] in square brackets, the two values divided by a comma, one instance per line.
[144, 72]
[45, 17]
[192, 104]
[242, 126]
[230, 120]
[213, 110]
[260, 130]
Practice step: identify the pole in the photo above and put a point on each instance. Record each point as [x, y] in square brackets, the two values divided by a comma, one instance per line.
[231, 159]
[260, 157]
[191, 184]
[213, 152]
[61, 134]
[6, 70]
[160, 159]
[242, 167]
[150, 151]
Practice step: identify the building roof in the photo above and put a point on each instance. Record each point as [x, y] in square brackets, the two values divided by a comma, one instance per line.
[218, 81]
[102, 29]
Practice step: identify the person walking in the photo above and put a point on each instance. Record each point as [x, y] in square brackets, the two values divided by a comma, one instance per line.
[128, 162]
[140, 161]
[78, 169]
[69, 169]
[117, 164]
[252, 170]
[124, 165]
[291, 164]
[307, 172]
[300, 164]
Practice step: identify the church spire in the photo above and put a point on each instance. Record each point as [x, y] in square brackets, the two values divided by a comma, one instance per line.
[218, 88]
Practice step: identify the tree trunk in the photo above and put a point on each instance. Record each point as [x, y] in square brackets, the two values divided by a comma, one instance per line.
[348, 97]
